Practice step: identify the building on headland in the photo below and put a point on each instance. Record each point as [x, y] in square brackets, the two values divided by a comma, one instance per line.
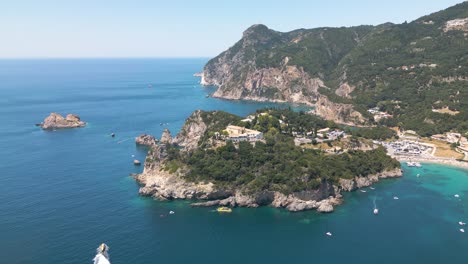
[237, 134]
[378, 115]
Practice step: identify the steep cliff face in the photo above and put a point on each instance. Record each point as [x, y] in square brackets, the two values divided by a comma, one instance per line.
[286, 84]
[340, 113]
[193, 130]
[199, 125]
[165, 185]
[363, 66]
[264, 64]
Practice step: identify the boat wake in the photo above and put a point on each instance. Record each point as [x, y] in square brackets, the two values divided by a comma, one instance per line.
[376, 210]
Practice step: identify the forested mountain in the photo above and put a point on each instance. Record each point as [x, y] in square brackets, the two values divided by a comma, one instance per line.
[416, 71]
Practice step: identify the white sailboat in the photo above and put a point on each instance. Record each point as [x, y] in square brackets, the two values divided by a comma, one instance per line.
[102, 256]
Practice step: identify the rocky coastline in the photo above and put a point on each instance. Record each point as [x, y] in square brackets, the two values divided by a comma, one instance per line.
[292, 85]
[160, 184]
[57, 121]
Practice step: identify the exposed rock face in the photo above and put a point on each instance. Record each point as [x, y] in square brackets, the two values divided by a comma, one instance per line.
[55, 120]
[345, 90]
[238, 75]
[340, 113]
[166, 137]
[194, 128]
[166, 186]
[360, 182]
[146, 140]
[457, 24]
[286, 84]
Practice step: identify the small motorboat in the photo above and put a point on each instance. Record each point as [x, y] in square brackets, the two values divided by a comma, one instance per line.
[456, 196]
[224, 210]
[395, 198]
[102, 255]
[328, 233]
[462, 230]
[171, 212]
[363, 191]
[461, 223]
[372, 188]
[376, 211]
[417, 164]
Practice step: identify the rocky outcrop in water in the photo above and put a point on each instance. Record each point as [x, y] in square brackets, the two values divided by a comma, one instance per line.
[146, 140]
[57, 121]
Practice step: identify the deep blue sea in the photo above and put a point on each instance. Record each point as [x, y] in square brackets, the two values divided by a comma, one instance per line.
[64, 192]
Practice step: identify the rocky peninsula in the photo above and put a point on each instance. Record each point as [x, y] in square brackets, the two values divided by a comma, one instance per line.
[57, 121]
[171, 170]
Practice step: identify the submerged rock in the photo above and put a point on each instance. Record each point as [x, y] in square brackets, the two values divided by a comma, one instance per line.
[146, 140]
[55, 120]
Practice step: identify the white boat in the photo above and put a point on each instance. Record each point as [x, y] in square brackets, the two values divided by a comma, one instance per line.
[411, 164]
[376, 211]
[372, 188]
[462, 230]
[102, 256]
[328, 233]
[395, 198]
[171, 212]
[417, 164]
[461, 223]
[417, 175]
[457, 196]
[363, 191]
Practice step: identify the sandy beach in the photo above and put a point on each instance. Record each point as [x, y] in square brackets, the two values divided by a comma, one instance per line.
[438, 160]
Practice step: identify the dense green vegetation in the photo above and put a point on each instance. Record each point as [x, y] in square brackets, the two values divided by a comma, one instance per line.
[275, 164]
[405, 69]
[376, 133]
[280, 165]
[299, 122]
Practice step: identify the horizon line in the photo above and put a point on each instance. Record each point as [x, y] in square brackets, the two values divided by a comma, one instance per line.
[129, 57]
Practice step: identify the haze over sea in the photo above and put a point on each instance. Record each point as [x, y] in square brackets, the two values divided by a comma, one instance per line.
[62, 193]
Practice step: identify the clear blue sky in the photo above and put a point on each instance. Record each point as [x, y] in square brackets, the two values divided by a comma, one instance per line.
[174, 28]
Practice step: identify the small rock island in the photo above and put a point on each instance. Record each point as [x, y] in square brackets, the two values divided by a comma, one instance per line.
[146, 140]
[229, 161]
[56, 121]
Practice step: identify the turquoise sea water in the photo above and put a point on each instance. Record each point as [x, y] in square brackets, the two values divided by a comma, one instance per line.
[64, 192]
